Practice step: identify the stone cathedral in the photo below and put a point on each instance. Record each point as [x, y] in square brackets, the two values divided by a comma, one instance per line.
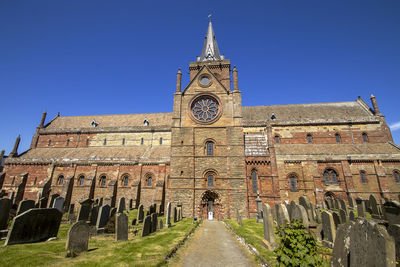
[211, 154]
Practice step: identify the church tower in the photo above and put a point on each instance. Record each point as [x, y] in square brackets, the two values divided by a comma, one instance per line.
[207, 151]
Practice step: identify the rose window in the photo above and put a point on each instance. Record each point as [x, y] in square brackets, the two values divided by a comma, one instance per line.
[205, 108]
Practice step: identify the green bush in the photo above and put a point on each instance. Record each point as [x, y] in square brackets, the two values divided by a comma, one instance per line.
[297, 246]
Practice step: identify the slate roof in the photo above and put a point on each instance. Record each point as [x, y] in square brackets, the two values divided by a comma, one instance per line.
[141, 154]
[316, 112]
[255, 145]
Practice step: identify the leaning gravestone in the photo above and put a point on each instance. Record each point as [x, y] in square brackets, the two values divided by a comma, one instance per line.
[299, 213]
[25, 205]
[282, 215]
[269, 237]
[336, 219]
[328, 226]
[59, 204]
[84, 210]
[34, 225]
[360, 207]
[121, 227]
[146, 226]
[5, 206]
[102, 217]
[121, 205]
[341, 248]
[168, 218]
[77, 238]
[140, 215]
[154, 221]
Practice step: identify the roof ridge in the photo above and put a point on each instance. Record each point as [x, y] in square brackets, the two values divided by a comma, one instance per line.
[354, 101]
[116, 114]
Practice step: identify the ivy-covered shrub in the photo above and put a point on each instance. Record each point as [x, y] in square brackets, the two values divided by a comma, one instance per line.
[297, 246]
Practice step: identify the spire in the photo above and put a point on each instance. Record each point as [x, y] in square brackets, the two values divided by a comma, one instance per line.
[210, 48]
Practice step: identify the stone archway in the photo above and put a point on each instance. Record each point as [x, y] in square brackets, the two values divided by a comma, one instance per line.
[210, 202]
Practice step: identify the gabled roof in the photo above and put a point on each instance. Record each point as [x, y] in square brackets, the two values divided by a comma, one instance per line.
[199, 73]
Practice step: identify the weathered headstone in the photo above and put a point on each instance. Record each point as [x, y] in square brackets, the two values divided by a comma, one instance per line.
[341, 248]
[140, 215]
[161, 209]
[391, 211]
[5, 206]
[34, 225]
[146, 226]
[360, 207]
[373, 202]
[269, 237]
[303, 201]
[168, 217]
[299, 213]
[154, 222]
[336, 219]
[343, 206]
[102, 217]
[93, 214]
[328, 226]
[77, 238]
[121, 205]
[336, 204]
[110, 226]
[59, 204]
[282, 215]
[367, 205]
[175, 215]
[394, 231]
[25, 205]
[323, 205]
[352, 217]
[343, 216]
[179, 214]
[161, 225]
[259, 208]
[291, 208]
[121, 227]
[351, 202]
[84, 210]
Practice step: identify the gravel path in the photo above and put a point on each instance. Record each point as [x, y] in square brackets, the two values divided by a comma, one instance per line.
[213, 245]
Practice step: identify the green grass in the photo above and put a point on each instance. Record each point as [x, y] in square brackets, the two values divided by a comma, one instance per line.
[253, 233]
[103, 249]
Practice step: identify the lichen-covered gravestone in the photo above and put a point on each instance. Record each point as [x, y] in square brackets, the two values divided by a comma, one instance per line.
[146, 226]
[341, 248]
[269, 237]
[25, 205]
[328, 226]
[373, 202]
[5, 206]
[121, 227]
[140, 215]
[34, 225]
[343, 216]
[336, 219]
[77, 238]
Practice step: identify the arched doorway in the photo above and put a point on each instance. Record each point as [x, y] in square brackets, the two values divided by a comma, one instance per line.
[210, 203]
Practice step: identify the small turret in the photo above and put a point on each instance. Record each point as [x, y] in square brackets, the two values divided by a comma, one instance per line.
[235, 79]
[178, 80]
[375, 105]
[14, 152]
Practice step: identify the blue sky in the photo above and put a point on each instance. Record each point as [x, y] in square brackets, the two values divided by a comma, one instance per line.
[115, 57]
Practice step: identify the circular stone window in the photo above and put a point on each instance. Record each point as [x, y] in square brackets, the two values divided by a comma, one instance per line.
[205, 109]
[204, 80]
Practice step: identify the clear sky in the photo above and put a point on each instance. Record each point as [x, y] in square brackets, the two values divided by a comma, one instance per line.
[114, 57]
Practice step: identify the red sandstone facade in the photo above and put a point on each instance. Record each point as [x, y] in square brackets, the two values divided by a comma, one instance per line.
[213, 164]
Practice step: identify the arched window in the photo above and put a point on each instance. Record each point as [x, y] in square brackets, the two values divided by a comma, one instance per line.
[293, 183]
[60, 180]
[396, 176]
[309, 138]
[337, 136]
[254, 181]
[210, 148]
[103, 179]
[149, 180]
[363, 177]
[67, 144]
[276, 139]
[160, 140]
[125, 179]
[330, 177]
[210, 179]
[365, 138]
[81, 179]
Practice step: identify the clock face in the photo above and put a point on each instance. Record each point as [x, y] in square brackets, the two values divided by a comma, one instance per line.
[205, 109]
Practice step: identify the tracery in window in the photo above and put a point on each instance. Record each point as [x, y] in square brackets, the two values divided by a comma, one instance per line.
[330, 177]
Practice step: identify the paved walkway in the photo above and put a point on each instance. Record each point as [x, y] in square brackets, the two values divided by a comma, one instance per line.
[212, 245]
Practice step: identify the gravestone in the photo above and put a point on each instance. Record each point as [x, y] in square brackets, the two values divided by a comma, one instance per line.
[351, 202]
[394, 231]
[323, 205]
[59, 204]
[303, 201]
[336, 219]
[25, 205]
[134, 221]
[367, 205]
[84, 210]
[269, 238]
[168, 217]
[154, 221]
[93, 214]
[343, 216]
[121, 205]
[371, 245]
[100, 202]
[373, 202]
[329, 203]
[52, 198]
[336, 204]
[328, 226]
[313, 212]
[343, 206]
[391, 211]
[130, 204]
[43, 202]
[282, 215]
[5, 206]
[179, 214]
[77, 238]
[140, 215]
[291, 208]
[360, 207]
[259, 208]
[175, 215]
[299, 213]
[161, 224]
[146, 226]
[161, 209]
[121, 227]
[352, 217]
[34, 225]
[102, 217]
[110, 226]
[341, 248]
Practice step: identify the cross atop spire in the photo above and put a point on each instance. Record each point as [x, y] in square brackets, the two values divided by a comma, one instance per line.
[210, 50]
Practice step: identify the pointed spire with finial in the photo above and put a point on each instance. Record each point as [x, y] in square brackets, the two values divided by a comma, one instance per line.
[210, 50]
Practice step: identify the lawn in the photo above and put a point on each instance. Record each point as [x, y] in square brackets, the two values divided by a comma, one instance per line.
[103, 249]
